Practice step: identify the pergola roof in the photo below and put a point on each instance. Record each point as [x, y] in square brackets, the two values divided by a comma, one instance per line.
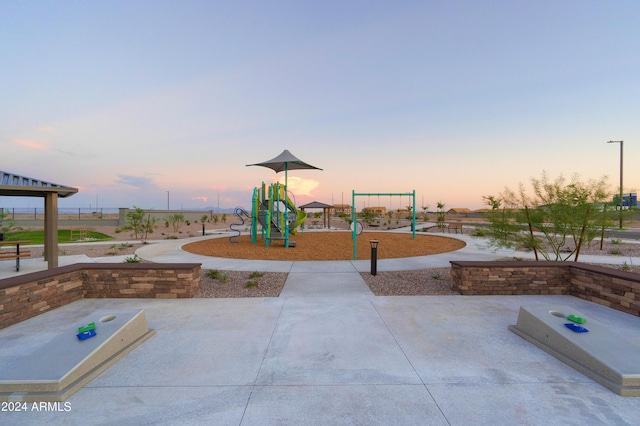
[326, 220]
[22, 186]
[315, 205]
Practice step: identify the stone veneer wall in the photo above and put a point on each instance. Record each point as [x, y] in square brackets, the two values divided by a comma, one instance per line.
[609, 287]
[28, 295]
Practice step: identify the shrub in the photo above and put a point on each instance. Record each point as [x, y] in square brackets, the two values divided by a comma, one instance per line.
[479, 232]
[213, 274]
[133, 259]
[139, 225]
[176, 220]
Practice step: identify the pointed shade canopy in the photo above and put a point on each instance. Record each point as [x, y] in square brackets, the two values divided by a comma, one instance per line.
[285, 161]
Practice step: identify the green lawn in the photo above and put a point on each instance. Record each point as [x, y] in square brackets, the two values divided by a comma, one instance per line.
[64, 236]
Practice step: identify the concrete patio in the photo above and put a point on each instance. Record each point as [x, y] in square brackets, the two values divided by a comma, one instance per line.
[329, 352]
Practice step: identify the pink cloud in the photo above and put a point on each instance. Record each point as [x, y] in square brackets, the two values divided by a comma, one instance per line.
[45, 129]
[202, 198]
[300, 186]
[28, 143]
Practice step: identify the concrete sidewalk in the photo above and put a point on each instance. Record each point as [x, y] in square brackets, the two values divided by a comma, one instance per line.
[169, 251]
[351, 359]
[329, 352]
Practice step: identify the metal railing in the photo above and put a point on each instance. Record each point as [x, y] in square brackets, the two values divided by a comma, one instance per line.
[74, 213]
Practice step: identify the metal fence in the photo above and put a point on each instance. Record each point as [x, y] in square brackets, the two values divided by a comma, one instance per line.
[79, 213]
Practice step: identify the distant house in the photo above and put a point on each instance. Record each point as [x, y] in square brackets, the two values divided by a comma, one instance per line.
[376, 210]
[458, 210]
[341, 209]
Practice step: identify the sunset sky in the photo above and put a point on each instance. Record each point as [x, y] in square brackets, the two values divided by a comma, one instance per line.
[129, 100]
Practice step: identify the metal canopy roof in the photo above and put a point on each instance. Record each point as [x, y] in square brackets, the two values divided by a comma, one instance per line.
[22, 186]
[284, 162]
[316, 205]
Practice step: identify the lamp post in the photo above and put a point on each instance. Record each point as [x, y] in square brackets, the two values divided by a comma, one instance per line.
[621, 163]
[374, 257]
[167, 200]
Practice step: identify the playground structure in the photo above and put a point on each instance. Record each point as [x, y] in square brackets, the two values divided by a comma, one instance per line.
[276, 213]
[279, 218]
[272, 208]
[354, 227]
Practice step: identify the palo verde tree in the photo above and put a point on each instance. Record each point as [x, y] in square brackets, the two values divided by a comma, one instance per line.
[6, 224]
[502, 218]
[176, 221]
[138, 224]
[440, 216]
[556, 221]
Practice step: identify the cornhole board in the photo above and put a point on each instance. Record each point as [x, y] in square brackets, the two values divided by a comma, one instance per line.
[62, 366]
[599, 353]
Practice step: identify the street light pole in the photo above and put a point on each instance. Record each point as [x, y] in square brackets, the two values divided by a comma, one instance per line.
[168, 200]
[621, 174]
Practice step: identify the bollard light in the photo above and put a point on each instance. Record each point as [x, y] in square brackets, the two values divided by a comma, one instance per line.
[374, 256]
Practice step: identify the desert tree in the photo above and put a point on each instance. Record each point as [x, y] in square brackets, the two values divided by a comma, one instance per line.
[556, 221]
[502, 218]
[424, 212]
[440, 216]
[7, 225]
[176, 221]
[139, 225]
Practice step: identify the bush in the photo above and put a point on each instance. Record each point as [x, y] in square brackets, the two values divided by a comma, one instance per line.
[139, 225]
[176, 220]
[133, 259]
[556, 222]
[217, 275]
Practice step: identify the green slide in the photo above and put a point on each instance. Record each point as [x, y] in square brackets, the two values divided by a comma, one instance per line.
[301, 216]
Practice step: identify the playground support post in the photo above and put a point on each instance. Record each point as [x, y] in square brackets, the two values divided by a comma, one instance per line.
[354, 194]
[254, 215]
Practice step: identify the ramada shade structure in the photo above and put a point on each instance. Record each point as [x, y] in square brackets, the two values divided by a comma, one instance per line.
[13, 185]
[326, 211]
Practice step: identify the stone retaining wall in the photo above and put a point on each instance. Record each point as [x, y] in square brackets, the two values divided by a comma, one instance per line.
[28, 295]
[609, 287]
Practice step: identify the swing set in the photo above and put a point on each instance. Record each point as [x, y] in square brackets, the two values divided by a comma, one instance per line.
[354, 226]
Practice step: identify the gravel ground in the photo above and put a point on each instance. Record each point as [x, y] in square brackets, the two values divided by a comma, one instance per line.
[435, 281]
[422, 282]
[241, 283]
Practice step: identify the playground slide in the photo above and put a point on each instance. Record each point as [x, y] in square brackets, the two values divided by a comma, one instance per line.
[301, 216]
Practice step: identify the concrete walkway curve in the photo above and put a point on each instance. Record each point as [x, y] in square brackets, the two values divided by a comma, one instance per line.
[329, 352]
[171, 251]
